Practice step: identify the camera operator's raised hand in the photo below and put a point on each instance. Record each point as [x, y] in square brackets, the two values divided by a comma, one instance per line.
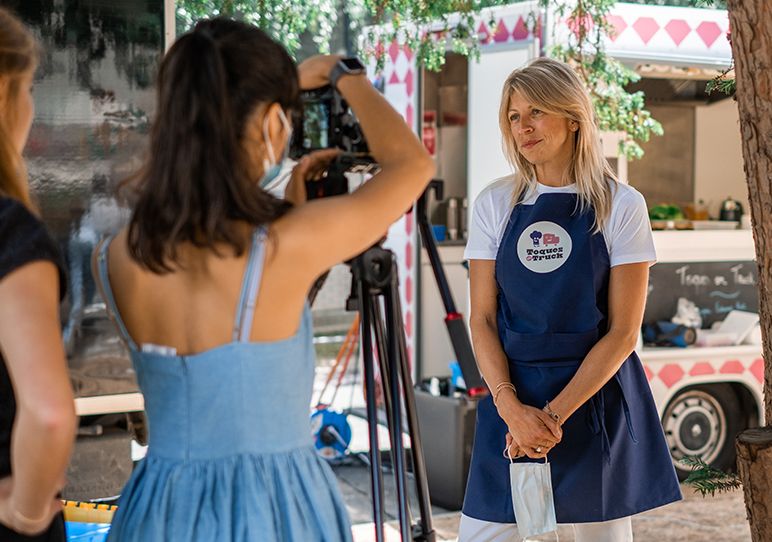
[330, 230]
[311, 167]
[315, 71]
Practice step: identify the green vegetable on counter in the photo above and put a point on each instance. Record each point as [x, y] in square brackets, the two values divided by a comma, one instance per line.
[665, 211]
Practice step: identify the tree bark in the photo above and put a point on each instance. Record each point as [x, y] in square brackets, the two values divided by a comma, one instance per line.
[751, 26]
[751, 23]
[754, 462]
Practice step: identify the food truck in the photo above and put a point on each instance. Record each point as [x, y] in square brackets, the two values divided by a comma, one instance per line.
[705, 394]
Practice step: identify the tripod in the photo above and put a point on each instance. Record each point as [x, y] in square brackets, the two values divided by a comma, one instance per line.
[375, 295]
[375, 283]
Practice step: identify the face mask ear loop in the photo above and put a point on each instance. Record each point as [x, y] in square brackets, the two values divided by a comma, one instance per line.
[269, 147]
[285, 121]
[512, 462]
[507, 455]
[271, 160]
[557, 535]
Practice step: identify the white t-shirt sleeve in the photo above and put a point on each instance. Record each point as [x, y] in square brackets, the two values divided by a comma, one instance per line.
[489, 215]
[629, 236]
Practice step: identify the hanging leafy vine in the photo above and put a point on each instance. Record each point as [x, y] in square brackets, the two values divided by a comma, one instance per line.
[284, 20]
[584, 48]
[426, 26]
[431, 27]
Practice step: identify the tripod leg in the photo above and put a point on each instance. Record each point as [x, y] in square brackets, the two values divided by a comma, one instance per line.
[398, 450]
[375, 274]
[419, 466]
[376, 479]
[379, 330]
[387, 349]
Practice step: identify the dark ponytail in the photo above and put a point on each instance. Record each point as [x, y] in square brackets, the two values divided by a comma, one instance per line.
[196, 185]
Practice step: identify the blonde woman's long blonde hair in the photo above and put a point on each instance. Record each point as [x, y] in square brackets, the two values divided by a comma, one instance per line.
[18, 55]
[555, 88]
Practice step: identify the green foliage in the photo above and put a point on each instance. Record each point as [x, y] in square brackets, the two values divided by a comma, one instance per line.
[408, 22]
[723, 83]
[430, 27]
[284, 20]
[717, 4]
[617, 110]
[427, 27]
[706, 479]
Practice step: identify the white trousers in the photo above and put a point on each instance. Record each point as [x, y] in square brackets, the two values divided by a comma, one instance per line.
[476, 530]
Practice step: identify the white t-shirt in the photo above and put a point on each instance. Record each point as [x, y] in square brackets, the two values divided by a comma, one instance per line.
[627, 231]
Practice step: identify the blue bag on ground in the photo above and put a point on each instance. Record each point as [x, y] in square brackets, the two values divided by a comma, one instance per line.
[87, 532]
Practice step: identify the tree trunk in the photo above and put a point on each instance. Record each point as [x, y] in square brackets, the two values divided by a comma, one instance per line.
[754, 457]
[751, 25]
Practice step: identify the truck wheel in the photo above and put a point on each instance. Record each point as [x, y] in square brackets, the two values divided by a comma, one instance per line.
[703, 421]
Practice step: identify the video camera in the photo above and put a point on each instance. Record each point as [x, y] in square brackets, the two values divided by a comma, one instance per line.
[328, 122]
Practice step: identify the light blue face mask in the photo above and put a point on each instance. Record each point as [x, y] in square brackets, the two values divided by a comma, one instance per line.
[272, 167]
[532, 498]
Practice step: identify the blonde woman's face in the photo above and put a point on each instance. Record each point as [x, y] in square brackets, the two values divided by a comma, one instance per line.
[18, 115]
[542, 138]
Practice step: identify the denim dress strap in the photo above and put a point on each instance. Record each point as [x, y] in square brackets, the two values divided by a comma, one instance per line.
[249, 287]
[103, 281]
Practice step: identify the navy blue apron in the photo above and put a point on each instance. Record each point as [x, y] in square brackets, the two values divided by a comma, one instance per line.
[552, 274]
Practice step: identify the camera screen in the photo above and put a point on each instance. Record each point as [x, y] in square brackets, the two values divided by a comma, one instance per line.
[316, 125]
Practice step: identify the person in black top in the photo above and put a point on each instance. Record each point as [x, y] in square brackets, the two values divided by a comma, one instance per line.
[37, 412]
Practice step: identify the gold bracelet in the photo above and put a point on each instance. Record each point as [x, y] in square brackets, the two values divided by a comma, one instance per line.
[505, 384]
[552, 414]
[501, 387]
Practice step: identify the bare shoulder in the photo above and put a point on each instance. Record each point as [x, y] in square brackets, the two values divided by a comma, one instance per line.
[310, 238]
[291, 246]
[118, 259]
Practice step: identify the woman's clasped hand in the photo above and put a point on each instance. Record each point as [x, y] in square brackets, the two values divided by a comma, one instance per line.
[532, 432]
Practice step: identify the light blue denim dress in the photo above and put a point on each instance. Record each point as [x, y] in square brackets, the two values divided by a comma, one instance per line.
[230, 455]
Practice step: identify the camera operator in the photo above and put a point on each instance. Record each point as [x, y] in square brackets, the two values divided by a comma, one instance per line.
[208, 286]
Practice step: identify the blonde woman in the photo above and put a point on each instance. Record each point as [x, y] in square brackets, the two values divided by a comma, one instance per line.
[37, 415]
[560, 254]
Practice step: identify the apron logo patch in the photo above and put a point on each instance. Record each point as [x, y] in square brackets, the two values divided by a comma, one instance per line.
[543, 247]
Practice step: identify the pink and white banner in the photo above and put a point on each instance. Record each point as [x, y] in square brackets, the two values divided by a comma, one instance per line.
[665, 34]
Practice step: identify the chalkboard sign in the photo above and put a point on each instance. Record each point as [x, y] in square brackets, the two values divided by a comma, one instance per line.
[715, 287]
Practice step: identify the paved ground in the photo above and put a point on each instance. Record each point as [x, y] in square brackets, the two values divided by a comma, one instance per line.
[695, 519]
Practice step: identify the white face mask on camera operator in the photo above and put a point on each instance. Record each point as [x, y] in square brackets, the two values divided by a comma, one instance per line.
[276, 173]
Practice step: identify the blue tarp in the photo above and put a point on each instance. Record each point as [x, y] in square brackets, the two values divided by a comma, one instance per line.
[87, 532]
